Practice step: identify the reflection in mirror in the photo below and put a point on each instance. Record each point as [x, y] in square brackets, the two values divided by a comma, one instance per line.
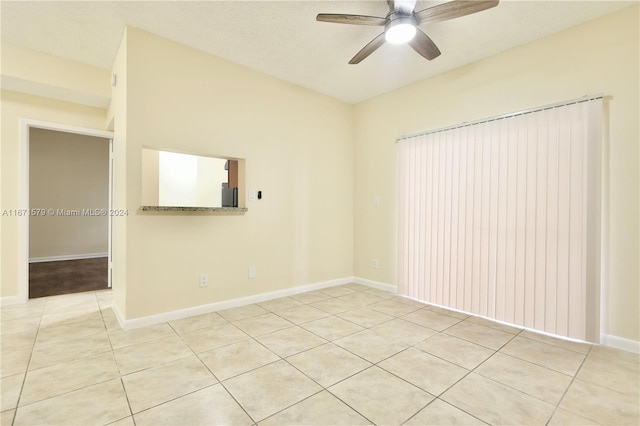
[184, 180]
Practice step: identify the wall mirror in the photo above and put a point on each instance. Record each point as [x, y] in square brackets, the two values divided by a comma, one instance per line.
[174, 179]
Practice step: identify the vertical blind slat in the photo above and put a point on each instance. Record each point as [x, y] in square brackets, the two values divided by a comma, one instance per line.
[521, 221]
[510, 221]
[462, 222]
[530, 213]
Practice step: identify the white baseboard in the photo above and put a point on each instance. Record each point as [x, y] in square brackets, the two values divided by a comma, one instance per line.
[119, 316]
[620, 343]
[376, 284]
[9, 300]
[67, 257]
[219, 306]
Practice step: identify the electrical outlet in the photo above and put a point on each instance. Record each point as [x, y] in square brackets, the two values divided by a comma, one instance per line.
[252, 272]
[375, 264]
[204, 280]
[376, 200]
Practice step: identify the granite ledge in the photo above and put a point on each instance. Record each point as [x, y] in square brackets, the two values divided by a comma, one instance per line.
[193, 209]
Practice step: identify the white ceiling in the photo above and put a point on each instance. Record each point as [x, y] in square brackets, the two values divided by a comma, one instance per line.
[282, 38]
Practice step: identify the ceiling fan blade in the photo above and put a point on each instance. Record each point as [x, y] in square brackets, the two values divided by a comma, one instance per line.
[454, 9]
[368, 49]
[339, 18]
[422, 44]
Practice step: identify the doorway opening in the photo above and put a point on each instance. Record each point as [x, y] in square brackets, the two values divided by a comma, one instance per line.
[66, 186]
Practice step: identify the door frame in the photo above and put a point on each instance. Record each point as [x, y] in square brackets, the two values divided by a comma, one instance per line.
[23, 199]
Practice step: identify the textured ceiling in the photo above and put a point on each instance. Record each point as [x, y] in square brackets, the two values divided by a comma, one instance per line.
[282, 38]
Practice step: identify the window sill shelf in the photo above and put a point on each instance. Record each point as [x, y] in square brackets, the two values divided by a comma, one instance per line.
[223, 210]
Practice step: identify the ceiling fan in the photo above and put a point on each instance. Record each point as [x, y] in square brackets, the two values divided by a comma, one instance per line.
[401, 24]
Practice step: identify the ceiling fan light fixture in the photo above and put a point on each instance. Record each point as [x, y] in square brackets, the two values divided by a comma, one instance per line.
[401, 30]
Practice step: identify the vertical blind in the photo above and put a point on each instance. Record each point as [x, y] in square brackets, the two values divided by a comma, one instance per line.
[501, 218]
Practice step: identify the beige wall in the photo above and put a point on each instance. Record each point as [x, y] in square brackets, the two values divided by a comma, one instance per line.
[117, 122]
[301, 232]
[68, 172]
[150, 192]
[31, 72]
[14, 107]
[598, 57]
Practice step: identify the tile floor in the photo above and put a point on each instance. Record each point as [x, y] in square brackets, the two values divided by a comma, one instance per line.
[346, 355]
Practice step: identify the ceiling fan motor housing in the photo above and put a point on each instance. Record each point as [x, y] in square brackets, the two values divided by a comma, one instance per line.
[400, 28]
